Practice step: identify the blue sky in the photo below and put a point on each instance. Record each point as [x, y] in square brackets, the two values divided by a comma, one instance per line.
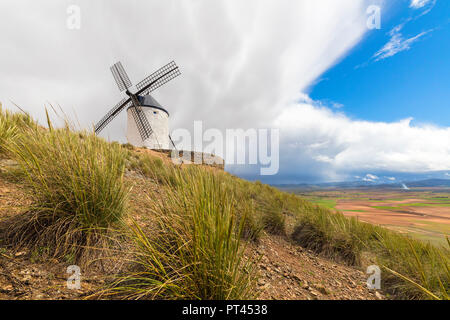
[412, 83]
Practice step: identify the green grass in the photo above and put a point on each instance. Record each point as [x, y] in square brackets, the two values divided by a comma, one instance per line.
[330, 204]
[403, 206]
[76, 184]
[427, 236]
[11, 125]
[434, 226]
[444, 204]
[347, 239]
[389, 208]
[195, 252]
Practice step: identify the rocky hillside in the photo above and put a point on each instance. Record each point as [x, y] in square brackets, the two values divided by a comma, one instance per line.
[142, 227]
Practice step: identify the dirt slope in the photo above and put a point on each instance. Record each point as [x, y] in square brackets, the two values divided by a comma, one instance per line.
[289, 272]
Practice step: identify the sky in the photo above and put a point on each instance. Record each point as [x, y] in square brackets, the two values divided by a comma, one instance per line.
[350, 102]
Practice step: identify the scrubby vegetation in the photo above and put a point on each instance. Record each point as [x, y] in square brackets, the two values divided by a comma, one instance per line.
[76, 184]
[10, 126]
[327, 232]
[426, 267]
[195, 250]
[200, 220]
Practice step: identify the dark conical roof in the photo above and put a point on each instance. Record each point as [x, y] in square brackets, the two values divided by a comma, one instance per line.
[149, 101]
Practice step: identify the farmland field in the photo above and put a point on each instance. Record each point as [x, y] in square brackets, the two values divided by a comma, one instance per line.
[423, 213]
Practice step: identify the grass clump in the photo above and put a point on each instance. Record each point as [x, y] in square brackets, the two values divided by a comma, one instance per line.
[76, 183]
[11, 125]
[347, 239]
[195, 250]
[413, 269]
[274, 222]
[330, 234]
[152, 167]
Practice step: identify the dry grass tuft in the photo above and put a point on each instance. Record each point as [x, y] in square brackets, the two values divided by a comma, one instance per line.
[195, 251]
[76, 183]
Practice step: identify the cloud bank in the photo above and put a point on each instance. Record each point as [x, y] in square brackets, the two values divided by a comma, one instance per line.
[341, 146]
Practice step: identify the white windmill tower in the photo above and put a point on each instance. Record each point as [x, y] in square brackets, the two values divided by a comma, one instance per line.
[148, 121]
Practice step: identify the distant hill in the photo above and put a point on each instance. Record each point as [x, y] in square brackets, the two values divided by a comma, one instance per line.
[430, 183]
[368, 184]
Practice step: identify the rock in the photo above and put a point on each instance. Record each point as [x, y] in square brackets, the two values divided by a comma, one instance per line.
[322, 289]
[297, 278]
[26, 279]
[7, 288]
[265, 287]
[305, 285]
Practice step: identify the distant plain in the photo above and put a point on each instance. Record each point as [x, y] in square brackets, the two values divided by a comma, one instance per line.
[423, 213]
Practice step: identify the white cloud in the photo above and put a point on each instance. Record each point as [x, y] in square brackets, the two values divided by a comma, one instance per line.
[425, 5]
[391, 178]
[240, 60]
[416, 4]
[370, 178]
[244, 64]
[447, 174]
[397, 43]
[317, 137]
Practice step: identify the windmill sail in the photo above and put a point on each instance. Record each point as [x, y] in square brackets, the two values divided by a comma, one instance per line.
[142, 123]
[124, 103]
[121, 76]
[160, 77]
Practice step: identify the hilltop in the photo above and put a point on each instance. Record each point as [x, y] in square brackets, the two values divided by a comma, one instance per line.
[141, 227]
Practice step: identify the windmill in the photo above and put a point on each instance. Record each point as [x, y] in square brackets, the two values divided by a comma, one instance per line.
[148, 121]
